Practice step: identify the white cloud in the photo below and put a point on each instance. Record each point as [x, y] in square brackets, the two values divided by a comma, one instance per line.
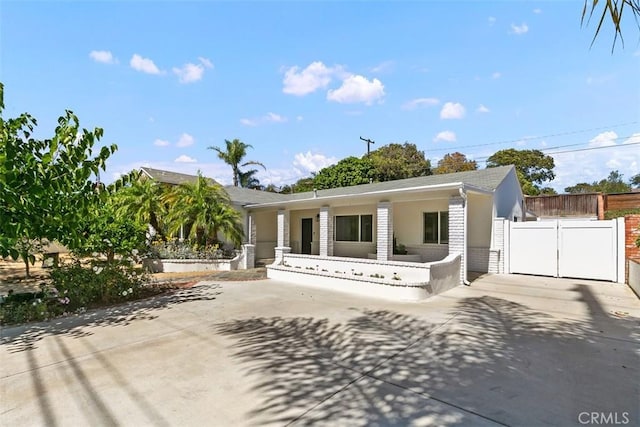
[357, 89]
[144, 65]
[445, 135]
[185, 159]
[537, 11]
[267, 118]
[384, 67]
[420, 102]
[299, 118]
[492, 20]
[185, 140]
[312, 162]
[103, 56]
[519, 29]
[452, 110]
[161, 143]
[249, 122]
[206, 62]
[482, 109]
[604, 139]
[315, 76]
[189, 73]
[588, 166]
[496, 75]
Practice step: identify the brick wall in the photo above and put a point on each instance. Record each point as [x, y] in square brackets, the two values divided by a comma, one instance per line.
[456, 231]
[385, 231]
[631, 234]
[478, 259]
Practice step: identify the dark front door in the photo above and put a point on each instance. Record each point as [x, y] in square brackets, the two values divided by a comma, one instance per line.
[307, 235]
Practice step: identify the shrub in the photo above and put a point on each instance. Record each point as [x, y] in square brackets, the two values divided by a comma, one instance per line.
[176, 249]
[73, 288]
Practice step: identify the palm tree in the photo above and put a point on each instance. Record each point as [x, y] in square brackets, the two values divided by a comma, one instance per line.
[205, 209]
[235, 151]
[143, 201]
[248, 180]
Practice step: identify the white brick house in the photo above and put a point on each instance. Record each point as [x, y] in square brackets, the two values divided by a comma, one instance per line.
[432, 217]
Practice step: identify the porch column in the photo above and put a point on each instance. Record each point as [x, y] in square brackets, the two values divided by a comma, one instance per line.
[283, 228]
[384, 243]
[326, 232]
[457, 232]
[252, 231]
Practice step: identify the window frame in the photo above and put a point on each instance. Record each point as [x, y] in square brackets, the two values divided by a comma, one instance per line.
[359, 218]
[441, 227]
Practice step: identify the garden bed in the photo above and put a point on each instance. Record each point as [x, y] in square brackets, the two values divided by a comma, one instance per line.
[188, 265]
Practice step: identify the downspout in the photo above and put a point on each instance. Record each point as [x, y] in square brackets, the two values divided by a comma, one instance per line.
[463, 194]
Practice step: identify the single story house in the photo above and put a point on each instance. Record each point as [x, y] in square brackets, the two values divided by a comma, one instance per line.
[430, 217]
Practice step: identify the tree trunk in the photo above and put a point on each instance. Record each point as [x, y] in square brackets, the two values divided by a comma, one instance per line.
[25, 258]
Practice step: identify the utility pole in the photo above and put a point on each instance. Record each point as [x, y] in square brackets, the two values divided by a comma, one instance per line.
[369, 142]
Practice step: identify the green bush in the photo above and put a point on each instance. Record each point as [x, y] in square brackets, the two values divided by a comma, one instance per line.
[620, 213]
[74, 288]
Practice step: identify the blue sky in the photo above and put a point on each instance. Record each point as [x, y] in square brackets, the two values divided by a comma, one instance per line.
[301, 81]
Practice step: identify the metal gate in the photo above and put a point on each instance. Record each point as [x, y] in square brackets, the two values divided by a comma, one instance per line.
[567, 248]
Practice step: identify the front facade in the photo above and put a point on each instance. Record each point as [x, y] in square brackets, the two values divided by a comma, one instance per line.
[419, 220]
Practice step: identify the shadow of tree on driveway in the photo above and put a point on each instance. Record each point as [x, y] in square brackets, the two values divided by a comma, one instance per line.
[26, 337]
[493, 362]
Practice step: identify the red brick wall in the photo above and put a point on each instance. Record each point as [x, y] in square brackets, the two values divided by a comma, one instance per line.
[631, 234]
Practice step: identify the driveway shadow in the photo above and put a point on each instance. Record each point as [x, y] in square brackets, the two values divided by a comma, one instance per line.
[26, 337]
[494, 361]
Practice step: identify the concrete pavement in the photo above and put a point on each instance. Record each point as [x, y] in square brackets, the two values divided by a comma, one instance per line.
[509, 350]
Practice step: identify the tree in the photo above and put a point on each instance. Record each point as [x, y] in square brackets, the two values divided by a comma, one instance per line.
[455, 162]
[347, 172]
[398, 161]
[111, 233]
[635, 180]
[613, 8]
[612, 184]
[232, 155]
[533, 167]
[47, 186]
[205, 210]
[249, 180]
[143, 201]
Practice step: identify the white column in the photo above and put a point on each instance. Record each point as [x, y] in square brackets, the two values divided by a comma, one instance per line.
[252, 230]
[283, 228]
[326, 232]
[384, 243]
[457, 232]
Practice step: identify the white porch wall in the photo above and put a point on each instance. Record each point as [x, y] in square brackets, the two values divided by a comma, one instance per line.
[384, 242]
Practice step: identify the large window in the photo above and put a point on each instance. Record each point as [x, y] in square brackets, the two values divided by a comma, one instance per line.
[354, 228]
[436, 227]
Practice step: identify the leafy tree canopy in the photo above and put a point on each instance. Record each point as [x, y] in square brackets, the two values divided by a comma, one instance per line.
[398, 161]
[46, 186]
[611, 184]
[635, 181]
[347, 172]
[455, 162]
[533, 167]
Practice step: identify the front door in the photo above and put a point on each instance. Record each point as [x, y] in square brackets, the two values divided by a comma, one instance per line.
[307, 235]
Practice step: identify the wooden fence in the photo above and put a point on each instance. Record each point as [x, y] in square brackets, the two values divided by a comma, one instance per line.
[614, 202]
[563, 205]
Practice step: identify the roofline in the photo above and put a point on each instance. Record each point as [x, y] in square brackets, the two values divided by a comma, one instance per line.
[435, 187]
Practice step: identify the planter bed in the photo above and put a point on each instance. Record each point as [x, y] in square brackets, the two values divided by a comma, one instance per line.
[185, 265]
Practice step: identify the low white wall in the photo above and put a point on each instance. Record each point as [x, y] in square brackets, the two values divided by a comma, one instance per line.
[445, 274]
[186, 265]
[429, 252]
[634, 276]
[417, 280]
[404, 258]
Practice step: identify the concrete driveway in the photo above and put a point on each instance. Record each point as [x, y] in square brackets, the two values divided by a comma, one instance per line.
[509, 350]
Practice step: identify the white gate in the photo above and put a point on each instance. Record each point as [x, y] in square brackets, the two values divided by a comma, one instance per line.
[568, 248]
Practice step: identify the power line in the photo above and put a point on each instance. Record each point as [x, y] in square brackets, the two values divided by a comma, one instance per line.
[484, 159]
[574, 132]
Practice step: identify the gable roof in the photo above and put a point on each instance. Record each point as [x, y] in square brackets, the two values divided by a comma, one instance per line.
[483, 179]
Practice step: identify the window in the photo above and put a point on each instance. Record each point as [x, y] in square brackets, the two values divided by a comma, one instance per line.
[354, 228]
[436, 227]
